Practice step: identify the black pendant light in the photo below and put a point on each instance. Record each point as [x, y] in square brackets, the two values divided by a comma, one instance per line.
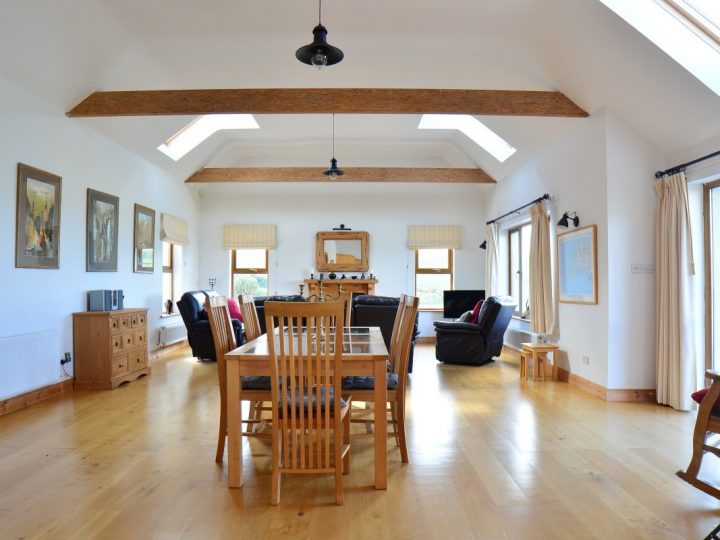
[319, 53]
[333, 172]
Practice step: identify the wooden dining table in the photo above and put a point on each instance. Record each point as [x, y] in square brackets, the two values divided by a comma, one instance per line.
[364, 353]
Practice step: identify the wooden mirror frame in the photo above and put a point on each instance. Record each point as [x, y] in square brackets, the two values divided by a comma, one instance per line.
[323, 266]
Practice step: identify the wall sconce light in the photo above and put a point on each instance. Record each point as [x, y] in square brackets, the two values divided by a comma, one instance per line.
[212, 281]
[567, 218]
[483, 245]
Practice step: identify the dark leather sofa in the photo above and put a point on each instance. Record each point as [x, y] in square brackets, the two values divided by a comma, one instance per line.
[370, 310]
[260, 305]
[190, 305]
[475, 344]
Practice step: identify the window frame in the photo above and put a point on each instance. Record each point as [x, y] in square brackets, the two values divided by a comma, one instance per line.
[234, 269]
[169, 270]
[517, 228]
[435, 271]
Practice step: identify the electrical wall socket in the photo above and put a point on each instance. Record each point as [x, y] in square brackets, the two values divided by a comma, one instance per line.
[586, 359]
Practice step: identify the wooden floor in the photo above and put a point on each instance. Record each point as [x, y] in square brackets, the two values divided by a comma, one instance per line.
[490, 457]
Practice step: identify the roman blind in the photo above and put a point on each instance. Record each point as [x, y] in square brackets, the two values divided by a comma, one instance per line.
[173, 229]
[249, 237]
[434, 236]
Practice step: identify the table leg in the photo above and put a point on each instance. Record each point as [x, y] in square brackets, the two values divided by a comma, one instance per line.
[233, 419]
[381, 470]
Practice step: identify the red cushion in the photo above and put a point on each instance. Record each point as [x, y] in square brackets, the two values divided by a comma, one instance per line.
[475, 312]
[700, 395]
[234, 309]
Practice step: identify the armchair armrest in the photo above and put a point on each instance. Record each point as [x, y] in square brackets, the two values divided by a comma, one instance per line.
[457, 327]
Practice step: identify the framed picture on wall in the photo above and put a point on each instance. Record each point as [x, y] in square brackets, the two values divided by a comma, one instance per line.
[102, 232]
[144, 240]
[577, 259]
[37, 214]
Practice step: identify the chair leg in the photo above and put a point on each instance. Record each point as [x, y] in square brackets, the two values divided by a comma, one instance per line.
[401, 432]
[338, 480]
[222, 434]
[252, 411]
[394, 422]
[346, 440]
[275, 496]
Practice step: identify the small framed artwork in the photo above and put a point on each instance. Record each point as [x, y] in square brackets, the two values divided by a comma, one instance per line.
[102, 232]
[37, 214]
[577, 258]
[144, 240]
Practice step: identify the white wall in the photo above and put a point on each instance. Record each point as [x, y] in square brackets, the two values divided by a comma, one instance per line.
[384, 210]
[573, 171]
[41, 300]
[631, 205]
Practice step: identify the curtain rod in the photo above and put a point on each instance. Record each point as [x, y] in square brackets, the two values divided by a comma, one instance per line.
[545, 197]
[682, 167]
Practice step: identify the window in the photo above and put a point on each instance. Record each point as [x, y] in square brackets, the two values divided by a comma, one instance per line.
[167, 277]
[433, 275]
[249, 270]
[519, 265]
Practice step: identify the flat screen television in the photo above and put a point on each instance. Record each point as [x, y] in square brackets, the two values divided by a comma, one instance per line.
[455, 303]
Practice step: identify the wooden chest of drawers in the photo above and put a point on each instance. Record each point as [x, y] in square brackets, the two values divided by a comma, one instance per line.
[110, 347]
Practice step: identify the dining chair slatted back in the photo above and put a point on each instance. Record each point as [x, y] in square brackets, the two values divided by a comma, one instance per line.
[346, 298]
[395, 336]
[224, 341]
[310, 418]
[251, 322]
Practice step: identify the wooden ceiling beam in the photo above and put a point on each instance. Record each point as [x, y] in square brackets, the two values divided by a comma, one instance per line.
[327, 100]
[352, 174]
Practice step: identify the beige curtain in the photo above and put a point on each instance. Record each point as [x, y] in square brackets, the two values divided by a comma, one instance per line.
[541, 297]
[174, 229]
[491, 262]
[434, 237]
[676, 360]
[249, 237]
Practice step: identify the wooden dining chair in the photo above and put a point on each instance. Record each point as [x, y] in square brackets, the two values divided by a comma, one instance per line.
[395, 336]
[363, 388]
[252, 330]
[254, 389]
[251, 323]
[346, 298]
[707, 424]
[311, 426]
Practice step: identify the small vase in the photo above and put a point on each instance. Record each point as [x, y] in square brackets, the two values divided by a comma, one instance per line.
[332, 275]
[169, 306]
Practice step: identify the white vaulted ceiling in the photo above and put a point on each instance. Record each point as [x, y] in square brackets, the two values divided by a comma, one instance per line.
[63, 50]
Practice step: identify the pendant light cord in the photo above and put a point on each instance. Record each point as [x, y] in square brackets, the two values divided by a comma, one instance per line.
[333, 135]
[319, 11]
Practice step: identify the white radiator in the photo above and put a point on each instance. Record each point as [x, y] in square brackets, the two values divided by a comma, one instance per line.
[29, 361]
[171, 333]
[515, 336]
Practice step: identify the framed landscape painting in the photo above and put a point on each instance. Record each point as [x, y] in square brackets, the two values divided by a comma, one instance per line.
[37, 214]
[144, 240]
[577, 258]
[102, 232]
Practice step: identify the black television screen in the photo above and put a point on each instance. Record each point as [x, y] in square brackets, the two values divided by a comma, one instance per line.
[455, 303]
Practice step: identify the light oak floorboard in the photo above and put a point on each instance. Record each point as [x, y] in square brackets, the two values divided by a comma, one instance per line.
[491, 456]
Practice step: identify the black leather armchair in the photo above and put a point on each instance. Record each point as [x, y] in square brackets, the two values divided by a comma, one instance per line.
[190, 305]
[474, 344]
[260, 305]
[370, 310]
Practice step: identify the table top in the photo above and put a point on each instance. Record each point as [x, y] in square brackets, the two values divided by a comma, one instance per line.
[540, 346]
[359, 343]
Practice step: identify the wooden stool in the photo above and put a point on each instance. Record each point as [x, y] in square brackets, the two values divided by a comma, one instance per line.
[538, 352]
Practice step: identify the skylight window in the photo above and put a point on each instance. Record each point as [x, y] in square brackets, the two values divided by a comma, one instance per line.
[478, 132]
[705, 14]
[663, 22]
[200, 129]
